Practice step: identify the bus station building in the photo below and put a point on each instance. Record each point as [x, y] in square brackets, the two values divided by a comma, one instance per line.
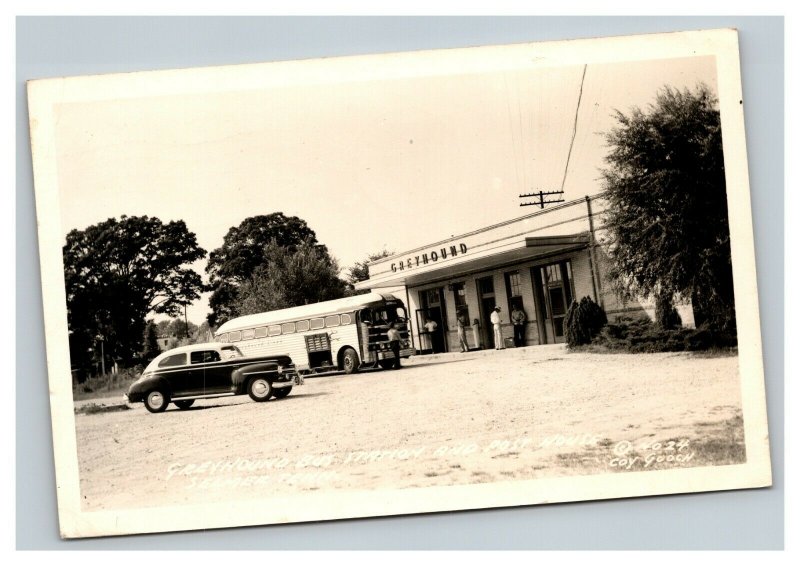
[540, 262]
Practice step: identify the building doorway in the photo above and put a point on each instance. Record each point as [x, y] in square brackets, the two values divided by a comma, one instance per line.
[487, 302]
[553, 295]
[433, 339]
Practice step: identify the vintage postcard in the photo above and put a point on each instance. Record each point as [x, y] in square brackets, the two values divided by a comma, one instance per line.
[402, 283]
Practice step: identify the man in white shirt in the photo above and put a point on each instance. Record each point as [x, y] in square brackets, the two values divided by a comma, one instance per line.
[498, 335]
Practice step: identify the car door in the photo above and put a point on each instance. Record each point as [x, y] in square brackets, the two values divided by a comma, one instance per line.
[216, 372]
[177, 373]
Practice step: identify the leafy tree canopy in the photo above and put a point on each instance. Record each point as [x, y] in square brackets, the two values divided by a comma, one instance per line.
[360, 269]
[244, 251]
[288, 279]
[117, 272]
[667, 215]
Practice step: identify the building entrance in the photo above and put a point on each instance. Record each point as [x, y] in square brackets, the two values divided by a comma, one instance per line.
[553, 292]
[487, 303]
[430, 321]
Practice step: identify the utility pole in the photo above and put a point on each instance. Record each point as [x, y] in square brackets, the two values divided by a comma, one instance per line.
[102, 354]
[185, 321]
[541, 195]
[598, 292]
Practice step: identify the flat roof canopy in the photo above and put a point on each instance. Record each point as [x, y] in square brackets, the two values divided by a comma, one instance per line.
[521, 250]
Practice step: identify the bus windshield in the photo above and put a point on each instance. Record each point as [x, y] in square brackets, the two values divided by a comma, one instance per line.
[384, 314]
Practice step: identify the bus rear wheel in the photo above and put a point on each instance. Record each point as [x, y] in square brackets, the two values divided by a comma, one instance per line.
[350, 361]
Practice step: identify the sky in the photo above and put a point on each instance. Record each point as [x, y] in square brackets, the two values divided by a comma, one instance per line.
[391, 164]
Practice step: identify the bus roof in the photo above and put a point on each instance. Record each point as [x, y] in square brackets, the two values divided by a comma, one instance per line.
[304, 311]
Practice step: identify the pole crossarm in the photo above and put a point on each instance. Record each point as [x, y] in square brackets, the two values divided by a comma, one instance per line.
[539, 198]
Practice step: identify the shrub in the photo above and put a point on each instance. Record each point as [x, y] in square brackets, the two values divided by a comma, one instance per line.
[643, 336]
[583, 321]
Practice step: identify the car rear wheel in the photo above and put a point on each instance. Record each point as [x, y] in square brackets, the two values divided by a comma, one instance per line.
[259, 389]
[282, 392]
[157, 401]
[183, 405]
[350, 361]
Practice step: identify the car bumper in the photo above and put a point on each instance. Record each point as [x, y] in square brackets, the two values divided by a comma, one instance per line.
[293, 379]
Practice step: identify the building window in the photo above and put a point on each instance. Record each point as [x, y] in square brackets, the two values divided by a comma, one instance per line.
[460, 298]
[514, 288]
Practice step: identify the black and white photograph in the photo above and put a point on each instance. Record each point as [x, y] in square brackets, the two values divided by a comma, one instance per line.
[399, 283]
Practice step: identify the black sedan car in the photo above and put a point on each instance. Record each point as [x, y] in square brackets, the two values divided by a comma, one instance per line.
[207, 371]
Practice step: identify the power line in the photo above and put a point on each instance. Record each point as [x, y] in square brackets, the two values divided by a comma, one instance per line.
[574, 128]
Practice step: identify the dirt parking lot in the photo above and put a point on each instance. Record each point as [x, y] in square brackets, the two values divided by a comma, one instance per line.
[448, 420]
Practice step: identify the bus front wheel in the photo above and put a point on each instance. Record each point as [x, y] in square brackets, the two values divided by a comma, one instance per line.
[350, 361]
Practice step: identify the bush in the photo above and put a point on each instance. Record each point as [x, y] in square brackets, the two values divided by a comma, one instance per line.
[640, 336]
[583, 321]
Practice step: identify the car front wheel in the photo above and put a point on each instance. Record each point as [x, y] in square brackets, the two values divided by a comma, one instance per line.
[156, 401]
[259, 389]
[282, 392]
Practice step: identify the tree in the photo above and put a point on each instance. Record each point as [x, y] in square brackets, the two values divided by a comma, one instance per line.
[288, 279]
[360, 269]
[151, 347]
[203, 333]
[178, 328]
[119, 271]
[244, 251]
[667, 215]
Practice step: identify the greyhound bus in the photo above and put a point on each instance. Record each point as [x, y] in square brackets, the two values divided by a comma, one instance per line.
[339, 335]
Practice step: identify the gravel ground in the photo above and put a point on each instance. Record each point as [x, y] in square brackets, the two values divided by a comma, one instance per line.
[441, 420]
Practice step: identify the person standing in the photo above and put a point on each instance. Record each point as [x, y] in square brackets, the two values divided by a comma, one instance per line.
[498, 334]
[462, 322]
[518, 319]
[394, 343]
[430, 328]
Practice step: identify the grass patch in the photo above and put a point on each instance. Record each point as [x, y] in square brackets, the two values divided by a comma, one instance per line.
[106, 385]
[94, 408]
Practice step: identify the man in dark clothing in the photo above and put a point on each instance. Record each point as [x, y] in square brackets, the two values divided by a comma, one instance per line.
[394, 343]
